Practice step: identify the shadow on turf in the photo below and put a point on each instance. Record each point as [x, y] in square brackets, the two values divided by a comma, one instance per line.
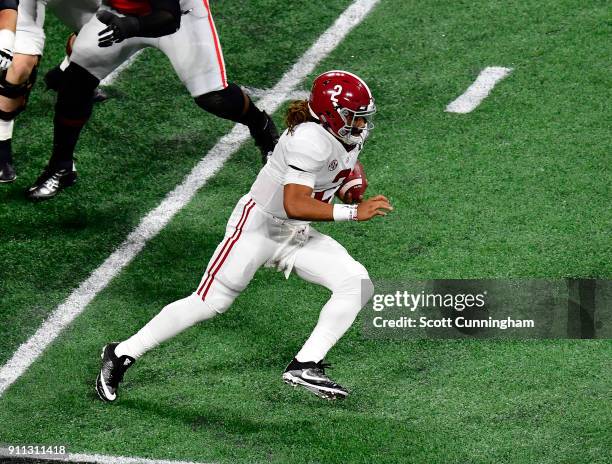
[217, 420]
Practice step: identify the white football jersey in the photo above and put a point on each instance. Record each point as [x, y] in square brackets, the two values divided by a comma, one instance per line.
[310, 156]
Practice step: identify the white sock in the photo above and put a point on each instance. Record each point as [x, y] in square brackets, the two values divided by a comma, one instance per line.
[171, 321]
[6, 129]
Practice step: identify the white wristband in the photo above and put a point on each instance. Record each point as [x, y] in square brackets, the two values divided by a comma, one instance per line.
[7, 39]
[345, 212]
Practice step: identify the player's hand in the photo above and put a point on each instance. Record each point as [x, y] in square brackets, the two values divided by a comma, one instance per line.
[6, 58]
[119, 28]
[375, 206]
[7, 42]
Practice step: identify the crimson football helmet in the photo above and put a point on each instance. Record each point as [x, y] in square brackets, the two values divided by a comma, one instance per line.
[339, 99]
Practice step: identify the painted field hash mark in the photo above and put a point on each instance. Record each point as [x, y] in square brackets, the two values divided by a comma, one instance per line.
[160, 216]
[479, 90]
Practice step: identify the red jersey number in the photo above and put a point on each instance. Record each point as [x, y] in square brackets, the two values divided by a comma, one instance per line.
[326, 196]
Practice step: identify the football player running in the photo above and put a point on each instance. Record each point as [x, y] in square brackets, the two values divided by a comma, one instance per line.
[17, 81]
[184, 30]
[8, 22]
[270, 226]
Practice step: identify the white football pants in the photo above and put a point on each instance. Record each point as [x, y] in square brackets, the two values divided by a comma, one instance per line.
[254, 238]
[194, 50]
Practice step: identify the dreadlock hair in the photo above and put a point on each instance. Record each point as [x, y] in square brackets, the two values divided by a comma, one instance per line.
[298, 113]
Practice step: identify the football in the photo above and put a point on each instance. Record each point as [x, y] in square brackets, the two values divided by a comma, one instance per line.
[354, 186]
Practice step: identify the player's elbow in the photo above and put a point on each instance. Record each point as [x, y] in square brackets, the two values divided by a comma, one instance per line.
[296, 199]
[292, 209]
[296, 207]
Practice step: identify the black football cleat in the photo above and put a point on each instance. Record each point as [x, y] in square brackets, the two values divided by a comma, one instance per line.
[265, 137]
[111, 372]
[311, 376]
[50, 182]
[7, 173]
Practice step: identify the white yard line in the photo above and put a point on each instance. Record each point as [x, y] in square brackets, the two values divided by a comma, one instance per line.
[103, 459]
[479, 90]
[256, 93]
[157, 219]
[91, 458]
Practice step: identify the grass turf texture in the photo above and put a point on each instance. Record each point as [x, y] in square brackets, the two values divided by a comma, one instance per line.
[518, 188]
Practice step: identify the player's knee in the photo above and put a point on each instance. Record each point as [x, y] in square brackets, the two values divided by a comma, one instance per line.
[219, 297]
[200, 310]
[357, 283]
[17, 91]
[367, 289]
[357, 289]
[22, 68]
[228, 103]
[75, 96]
[78, 80]
[13, 112]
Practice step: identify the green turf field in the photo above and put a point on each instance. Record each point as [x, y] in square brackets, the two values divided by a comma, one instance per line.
[518, 188]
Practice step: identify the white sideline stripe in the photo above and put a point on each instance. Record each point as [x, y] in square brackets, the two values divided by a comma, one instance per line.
[103, 459]
[156, 219]
[256, 93]
[98, 459]
[110, 79]
[479, 90]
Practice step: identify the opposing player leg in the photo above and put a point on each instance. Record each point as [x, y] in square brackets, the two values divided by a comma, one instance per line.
[243, 250]
[89, 64]
[54, 77]
[195, 53]
[15, 87]
[17, 82]
[74, 14]
[325, 262]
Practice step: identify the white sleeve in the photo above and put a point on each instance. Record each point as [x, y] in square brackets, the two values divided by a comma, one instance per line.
[305, 158]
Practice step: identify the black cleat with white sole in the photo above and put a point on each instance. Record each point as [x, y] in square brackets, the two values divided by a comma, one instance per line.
[7, 172]
[111, 372]
[312, 377]
[51, 182]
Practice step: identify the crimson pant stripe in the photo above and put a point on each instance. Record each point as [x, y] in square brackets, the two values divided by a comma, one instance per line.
[217, 45]
[214, 273]
[225, 245]
[227, 242]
